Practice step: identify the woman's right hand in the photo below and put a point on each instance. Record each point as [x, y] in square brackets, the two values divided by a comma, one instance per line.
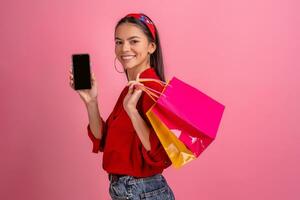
[87, 95]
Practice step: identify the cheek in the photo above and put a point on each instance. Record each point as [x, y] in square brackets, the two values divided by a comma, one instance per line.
[142, 54]
[117, 51]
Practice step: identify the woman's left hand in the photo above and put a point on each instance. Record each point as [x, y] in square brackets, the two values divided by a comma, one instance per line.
[132, 97]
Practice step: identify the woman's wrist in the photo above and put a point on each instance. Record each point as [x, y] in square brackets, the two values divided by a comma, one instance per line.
[132, 113]
[92, 102]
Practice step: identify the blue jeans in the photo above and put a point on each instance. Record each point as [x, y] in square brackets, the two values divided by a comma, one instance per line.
[147, 188]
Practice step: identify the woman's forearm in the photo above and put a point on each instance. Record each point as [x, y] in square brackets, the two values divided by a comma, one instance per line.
[94, 118]
[141, 128]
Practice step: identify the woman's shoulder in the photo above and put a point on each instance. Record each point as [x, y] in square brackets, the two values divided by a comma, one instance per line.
[151, 74]
[151, 86]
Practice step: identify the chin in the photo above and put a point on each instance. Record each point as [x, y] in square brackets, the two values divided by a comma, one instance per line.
[126, 67]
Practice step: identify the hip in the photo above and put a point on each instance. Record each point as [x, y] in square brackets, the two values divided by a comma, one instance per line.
[134, 188]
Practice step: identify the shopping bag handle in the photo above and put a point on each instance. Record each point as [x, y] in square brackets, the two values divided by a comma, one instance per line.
[151, 92]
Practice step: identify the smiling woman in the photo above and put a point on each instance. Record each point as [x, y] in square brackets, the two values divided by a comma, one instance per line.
[137, 40]
[133, 156]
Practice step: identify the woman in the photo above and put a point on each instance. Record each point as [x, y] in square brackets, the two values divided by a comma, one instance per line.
[132, 154]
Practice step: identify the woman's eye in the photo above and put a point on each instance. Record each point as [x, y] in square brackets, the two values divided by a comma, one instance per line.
[134, 41]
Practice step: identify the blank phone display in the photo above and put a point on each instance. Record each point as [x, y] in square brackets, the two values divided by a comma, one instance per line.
[81, 71]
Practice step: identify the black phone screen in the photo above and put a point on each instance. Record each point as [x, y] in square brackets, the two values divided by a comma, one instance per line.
[81, 71]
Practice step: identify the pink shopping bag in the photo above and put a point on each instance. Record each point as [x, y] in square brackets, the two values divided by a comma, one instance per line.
[191, 115]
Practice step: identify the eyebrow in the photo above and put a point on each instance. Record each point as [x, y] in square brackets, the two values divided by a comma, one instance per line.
[116, 38]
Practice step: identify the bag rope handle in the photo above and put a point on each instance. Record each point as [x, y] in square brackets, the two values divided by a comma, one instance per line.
[151, 92]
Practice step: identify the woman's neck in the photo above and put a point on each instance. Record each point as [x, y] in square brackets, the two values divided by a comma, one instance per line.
[133, 72]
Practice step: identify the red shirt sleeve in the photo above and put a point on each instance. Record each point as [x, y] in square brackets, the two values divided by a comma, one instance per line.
[98, 144]
[157, 155]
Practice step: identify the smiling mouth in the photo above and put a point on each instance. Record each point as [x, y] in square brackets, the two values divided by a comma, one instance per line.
[127, 57]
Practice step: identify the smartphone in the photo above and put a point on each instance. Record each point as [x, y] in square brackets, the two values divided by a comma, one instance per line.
[81, 71]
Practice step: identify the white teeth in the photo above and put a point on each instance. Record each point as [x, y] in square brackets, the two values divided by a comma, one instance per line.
[127, 57]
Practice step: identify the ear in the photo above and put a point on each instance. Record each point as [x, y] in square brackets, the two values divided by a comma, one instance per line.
[152, 47]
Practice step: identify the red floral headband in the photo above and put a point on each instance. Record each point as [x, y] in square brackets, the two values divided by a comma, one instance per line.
[145, 20]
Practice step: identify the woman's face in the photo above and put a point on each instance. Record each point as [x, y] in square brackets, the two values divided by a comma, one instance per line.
[132, 46]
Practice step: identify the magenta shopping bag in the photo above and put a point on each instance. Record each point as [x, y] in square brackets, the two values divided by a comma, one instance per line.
[191, 115]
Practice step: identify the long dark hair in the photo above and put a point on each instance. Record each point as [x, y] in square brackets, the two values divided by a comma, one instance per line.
[156, 58]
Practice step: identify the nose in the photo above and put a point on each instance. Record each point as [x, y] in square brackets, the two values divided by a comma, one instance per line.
[125, 46]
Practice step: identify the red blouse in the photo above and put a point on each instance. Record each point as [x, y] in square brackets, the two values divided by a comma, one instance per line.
[123, 152]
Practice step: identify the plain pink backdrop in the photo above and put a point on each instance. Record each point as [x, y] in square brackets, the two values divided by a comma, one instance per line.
[244, 53]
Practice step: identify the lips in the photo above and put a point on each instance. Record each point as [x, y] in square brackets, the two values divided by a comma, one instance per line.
[127, 57]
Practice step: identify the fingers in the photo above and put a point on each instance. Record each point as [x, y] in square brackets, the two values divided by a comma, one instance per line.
[71, 79]
[130, 90]
[71, 83]
[134, 87]
[93, 76]
[138, 86]
[137, 92]
[131, 85]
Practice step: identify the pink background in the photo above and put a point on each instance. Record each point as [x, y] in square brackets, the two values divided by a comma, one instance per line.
[244, 53]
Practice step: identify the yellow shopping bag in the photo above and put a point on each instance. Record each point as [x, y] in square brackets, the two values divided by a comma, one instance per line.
[176, 150]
